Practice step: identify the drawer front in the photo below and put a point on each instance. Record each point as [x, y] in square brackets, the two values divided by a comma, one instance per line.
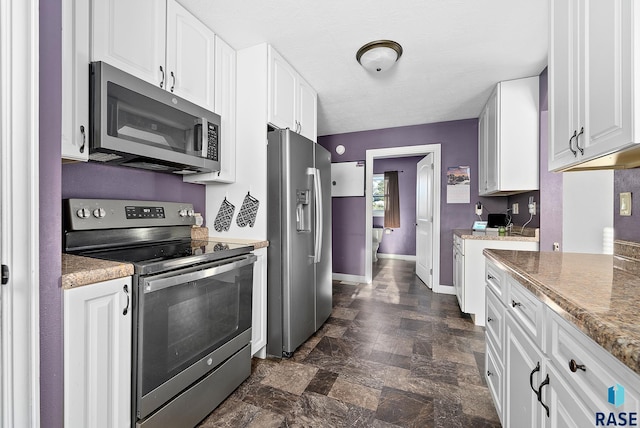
[526, 309]
[494, 376]
[601, 369]
[494, 326]
[494, 277]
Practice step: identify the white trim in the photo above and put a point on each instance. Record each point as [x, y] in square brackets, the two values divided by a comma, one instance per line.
[19, 210]
[403, 152]
[397, 257]
[446, 289]
[349, 278]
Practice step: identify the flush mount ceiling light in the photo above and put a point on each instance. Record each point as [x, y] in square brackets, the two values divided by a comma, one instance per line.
[380, 55]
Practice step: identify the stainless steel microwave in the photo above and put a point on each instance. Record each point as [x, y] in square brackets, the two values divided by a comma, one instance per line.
[136, 124]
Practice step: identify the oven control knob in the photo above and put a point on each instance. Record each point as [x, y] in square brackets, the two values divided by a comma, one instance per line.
[99, 213]
[84, 213]
[191, 213]
[182, 213]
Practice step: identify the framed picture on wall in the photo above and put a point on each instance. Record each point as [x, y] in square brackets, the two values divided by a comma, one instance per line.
[458, 184]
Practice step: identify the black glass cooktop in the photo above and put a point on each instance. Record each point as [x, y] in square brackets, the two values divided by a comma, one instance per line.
[165, 256]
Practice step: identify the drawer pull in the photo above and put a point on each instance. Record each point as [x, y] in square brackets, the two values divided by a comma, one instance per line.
[514, 303]
[490, 277]
[489, 319]
[574, 367]
[489, 373]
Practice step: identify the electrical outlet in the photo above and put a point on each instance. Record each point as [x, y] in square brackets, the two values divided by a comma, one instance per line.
[515, 208]
[478, 208]
[532, 208]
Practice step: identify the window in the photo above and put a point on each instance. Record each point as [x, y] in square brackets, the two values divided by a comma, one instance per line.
[378, 195]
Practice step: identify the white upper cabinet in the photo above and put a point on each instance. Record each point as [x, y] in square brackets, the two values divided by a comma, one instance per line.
[292, 101]
[130, 35]
[159, 42]
[593, 97]
[508, 144]
[75, 80]
[225, 106]
[190, 57]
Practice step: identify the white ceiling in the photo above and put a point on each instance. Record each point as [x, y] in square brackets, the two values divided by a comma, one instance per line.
[455, 51]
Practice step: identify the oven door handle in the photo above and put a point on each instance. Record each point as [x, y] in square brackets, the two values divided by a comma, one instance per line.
[151, 285]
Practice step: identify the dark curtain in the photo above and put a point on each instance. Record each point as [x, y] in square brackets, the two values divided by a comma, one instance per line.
[391, 200]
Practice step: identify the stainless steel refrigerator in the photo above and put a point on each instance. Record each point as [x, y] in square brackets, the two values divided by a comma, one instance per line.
[299, 233]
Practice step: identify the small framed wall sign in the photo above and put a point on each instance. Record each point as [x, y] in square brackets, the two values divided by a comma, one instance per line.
[625, 203]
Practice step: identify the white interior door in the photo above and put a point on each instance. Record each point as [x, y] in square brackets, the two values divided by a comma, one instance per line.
[424, 220]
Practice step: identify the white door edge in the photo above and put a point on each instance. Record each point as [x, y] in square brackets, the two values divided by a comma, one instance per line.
[19, 213]
[421, 150]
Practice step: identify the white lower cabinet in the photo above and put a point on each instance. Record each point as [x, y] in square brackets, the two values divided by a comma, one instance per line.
[553, 375]
[259, 302]
[97, 355]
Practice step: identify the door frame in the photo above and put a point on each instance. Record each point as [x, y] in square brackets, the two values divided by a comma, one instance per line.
[19, 213]
[391, 152]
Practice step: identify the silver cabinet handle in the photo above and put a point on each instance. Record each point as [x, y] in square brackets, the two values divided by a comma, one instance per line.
[126, 292]
[162, 80]
[173, 84]
[84, 138]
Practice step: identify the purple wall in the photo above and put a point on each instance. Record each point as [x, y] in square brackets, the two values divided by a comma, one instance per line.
[401, 240]
[627, 228]
[51, 362]
[92, 180]
[549, 198]
[459, 143]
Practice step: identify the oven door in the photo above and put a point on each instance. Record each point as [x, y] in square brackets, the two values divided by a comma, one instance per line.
[189, 322]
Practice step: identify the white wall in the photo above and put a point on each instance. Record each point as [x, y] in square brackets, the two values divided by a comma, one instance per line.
[587, 201]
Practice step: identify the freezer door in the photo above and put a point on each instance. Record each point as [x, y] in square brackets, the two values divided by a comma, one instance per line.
[298, 241]
[324, 264]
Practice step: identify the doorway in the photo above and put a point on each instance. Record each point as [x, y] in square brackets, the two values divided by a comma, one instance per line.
[434, 150]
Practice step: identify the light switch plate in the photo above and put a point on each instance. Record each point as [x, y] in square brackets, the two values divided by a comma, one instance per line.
[625, 203]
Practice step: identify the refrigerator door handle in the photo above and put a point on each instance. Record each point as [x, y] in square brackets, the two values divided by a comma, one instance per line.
[317, 191]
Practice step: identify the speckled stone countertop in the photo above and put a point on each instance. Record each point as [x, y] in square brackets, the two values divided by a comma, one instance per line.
[598, 293]
[78, 271]
[528, 235]
[256, 244]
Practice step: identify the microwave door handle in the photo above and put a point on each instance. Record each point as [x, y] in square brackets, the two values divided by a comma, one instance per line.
[153, 285]
[205, 138]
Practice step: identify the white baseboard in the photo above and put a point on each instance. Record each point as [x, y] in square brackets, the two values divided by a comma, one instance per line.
[397, 257]
[349, 278]
[444, 289]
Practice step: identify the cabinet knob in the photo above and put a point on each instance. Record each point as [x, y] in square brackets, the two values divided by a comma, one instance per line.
[574, 367]
[514, 303]
[489, 319]
[489, 276]
[489, 373]
[84, 138]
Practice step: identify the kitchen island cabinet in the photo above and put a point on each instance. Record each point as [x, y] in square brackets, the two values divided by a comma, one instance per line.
[468, 266]
[569, 336]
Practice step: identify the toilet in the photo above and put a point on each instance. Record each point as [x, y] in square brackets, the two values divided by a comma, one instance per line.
[376, 238]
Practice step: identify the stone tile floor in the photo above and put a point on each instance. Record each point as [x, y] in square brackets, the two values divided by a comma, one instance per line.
[392, 354]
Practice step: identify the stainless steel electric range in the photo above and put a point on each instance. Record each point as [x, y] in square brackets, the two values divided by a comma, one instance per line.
[191, 304]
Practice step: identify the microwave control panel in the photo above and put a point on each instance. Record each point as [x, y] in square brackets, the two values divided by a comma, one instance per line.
[212, 141]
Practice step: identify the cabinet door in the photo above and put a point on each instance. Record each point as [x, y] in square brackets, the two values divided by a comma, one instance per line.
[492, 171]
[97, 355]
[565, 409]
[610, 87]
[566, 77]
[482, 152]
[190, 56]
[282, 92]
[225, 106]
[307, 111]
[75, 79]
[130, 35]
[259, 311]
[521, 358]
